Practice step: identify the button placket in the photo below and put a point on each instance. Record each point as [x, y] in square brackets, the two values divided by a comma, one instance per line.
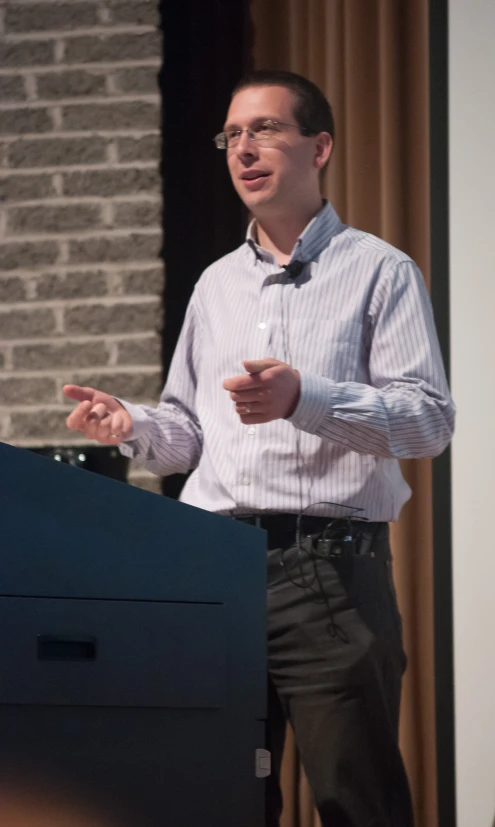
[267, 312]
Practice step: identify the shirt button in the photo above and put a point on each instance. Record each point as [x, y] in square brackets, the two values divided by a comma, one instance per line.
[262, 325]
[251, 431]
[246, 481]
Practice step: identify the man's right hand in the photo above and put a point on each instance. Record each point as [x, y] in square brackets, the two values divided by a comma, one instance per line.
[99, 416]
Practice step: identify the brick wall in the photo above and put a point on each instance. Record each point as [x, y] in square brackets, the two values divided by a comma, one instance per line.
[80, 210]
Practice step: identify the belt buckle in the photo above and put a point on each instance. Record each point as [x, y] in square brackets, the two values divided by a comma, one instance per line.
[249, 519]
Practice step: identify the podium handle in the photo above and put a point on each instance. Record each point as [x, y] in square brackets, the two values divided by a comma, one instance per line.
[66, 647]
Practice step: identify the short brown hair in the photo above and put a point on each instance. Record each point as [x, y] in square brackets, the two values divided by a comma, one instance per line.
[312, 111]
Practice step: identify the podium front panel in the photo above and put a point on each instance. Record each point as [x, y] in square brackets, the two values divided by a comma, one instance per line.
[132, 654]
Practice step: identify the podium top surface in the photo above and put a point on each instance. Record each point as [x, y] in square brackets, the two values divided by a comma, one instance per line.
[68, 532]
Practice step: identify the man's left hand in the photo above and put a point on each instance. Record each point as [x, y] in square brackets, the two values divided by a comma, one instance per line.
[269, 390]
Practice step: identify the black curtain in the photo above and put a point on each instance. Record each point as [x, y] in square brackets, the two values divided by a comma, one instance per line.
[207, 45]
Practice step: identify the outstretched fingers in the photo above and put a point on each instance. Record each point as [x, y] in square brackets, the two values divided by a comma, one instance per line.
[77, 419]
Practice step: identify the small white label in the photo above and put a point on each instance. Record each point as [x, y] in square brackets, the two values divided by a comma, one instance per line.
[263, 763]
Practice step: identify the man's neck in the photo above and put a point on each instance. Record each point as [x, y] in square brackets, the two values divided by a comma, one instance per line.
[278, 234]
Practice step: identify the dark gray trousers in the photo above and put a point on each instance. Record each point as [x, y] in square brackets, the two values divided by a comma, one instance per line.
[335, 662]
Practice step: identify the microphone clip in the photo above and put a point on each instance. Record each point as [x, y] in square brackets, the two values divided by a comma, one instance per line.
[294, 268]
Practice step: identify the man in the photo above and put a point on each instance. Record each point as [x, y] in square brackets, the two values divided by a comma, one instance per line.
[307, 365]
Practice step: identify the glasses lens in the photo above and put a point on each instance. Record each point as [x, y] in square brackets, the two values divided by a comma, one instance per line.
[266, 133]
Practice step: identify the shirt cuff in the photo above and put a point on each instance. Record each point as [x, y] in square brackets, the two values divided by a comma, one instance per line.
[141, 422]
[314, 402]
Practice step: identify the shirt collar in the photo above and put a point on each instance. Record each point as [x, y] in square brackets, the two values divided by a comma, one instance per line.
[313, 239]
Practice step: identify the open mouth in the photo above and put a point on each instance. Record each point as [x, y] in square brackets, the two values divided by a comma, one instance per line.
[254, 178]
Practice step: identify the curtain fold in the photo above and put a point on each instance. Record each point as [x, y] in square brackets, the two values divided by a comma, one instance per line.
[370, 57]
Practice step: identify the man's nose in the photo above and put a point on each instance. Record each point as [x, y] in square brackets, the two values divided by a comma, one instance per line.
[245, 144]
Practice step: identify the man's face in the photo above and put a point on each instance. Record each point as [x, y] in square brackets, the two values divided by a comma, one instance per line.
[269, 178]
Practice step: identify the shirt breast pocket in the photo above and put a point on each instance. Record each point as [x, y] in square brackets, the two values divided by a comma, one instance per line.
[328, 347]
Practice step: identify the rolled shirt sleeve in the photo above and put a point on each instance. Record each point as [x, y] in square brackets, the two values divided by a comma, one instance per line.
[406, 410]
[168, 439]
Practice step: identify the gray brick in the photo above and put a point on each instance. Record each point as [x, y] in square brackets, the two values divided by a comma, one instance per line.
[59, 356]
[132, 247]
[138, 214]
[143, 282]
[41, 17]
[26, 324]
[125, 115]
[52, 152]
[25, 254]
[137, 80]
[18, 121]
[26, 54]
[26, 187]
[143, 13]
[49, 425]
[147, 148]
[142, 387]
[44, 219]
[12, 290]
[151, 484]
[70, 84]
[117, 318]
[108, 48]
[110, 182]
[11, 88]
[27, 391]
[82, 285]
[140, 351]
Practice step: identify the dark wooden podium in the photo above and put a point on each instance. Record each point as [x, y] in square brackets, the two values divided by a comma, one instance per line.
[132, 651]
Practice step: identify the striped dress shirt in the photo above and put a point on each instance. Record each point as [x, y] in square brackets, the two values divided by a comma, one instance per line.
[358, 325]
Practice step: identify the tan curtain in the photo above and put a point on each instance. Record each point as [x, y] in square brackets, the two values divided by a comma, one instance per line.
[370, 57]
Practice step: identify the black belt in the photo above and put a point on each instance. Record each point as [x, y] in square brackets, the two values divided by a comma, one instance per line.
[281, 525]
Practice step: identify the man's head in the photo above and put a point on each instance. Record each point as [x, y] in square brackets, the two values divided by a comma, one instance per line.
[278, 135]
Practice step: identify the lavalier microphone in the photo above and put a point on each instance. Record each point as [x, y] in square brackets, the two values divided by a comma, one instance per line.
[295, 268]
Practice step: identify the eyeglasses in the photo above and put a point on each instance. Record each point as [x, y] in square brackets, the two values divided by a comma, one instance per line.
[266, 133]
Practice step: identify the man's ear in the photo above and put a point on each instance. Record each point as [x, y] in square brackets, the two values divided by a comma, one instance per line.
[324, 146]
